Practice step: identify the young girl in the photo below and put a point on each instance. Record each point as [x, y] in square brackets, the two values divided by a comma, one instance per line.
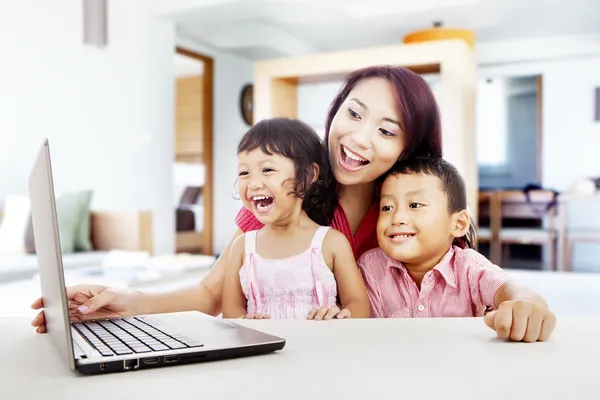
[292, 267]
[425, 265]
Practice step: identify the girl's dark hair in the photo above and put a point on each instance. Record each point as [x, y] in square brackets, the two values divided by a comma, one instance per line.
[416, 104]
[453, 186]
[300, 143]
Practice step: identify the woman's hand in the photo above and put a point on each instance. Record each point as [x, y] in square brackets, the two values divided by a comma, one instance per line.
[327, 313]
[93, 302]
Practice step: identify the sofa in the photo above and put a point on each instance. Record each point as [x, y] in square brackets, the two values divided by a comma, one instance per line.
[99, 232]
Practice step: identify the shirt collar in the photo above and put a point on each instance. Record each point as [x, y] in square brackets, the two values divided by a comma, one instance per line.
[445, 267]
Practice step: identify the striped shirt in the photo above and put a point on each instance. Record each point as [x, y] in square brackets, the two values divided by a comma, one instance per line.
[463, 284]
[364, 239]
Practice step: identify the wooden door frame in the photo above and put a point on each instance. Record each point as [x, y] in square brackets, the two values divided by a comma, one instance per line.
[207, 145]
[540, 126]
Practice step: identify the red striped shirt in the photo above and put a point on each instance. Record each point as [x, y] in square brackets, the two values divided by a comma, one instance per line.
[461, 285]
[365, 238]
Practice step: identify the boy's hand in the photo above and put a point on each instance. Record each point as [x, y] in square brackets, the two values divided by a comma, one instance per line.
[521, 320]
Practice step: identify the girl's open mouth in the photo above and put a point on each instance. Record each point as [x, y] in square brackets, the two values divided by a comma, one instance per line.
[350, 160]
[262, 203]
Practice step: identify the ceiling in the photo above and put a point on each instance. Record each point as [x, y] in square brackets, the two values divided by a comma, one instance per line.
[277, 28]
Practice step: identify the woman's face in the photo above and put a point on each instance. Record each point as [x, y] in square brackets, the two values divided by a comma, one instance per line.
[365, 137]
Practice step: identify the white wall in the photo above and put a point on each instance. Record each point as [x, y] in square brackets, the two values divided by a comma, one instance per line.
[230, 74]
[108, 113]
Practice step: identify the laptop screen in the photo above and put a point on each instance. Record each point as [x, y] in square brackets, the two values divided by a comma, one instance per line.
[49, 255]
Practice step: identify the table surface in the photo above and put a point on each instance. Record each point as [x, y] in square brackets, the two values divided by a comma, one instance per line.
[446, 358]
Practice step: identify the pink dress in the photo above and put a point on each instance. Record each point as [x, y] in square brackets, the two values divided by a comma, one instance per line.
[288, 287]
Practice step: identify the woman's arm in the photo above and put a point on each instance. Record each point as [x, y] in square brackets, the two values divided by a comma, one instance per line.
[351, 288]
[206, 296]
[234, 301]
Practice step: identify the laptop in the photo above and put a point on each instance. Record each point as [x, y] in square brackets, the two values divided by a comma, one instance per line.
[124, 344]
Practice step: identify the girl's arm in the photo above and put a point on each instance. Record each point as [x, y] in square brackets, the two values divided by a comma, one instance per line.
[351, 288]
[234, 301]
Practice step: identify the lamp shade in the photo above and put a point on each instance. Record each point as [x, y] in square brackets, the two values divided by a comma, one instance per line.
[438, 32]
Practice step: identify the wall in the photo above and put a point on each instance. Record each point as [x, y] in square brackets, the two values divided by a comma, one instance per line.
[107, 112]
[230, 74]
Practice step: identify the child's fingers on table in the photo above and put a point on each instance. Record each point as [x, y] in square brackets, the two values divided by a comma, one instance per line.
[321, 313]
[548, 325]
[332, 312]
[345, 313]
[489, 319]
[521, 314]
[534, 328]
[311, 314]
[503, 321]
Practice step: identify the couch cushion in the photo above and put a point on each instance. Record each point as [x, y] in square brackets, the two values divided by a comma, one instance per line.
[15, 267]
[74, 223]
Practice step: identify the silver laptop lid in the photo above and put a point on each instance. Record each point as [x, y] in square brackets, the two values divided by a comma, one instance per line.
[49, 255]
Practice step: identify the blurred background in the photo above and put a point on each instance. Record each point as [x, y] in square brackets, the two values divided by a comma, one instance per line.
[144, 102]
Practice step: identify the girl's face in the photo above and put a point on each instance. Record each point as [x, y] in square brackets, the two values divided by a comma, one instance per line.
[366, 136]
[264, 184]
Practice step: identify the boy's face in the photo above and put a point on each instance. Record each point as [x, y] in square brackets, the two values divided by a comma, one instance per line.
[264, 184]
[414, 224]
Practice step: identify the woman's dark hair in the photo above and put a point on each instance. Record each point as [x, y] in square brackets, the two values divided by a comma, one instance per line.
[453, 186]
[300, 143]
[416, 104]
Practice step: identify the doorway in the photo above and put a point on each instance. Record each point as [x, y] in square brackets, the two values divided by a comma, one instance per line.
[193, 167]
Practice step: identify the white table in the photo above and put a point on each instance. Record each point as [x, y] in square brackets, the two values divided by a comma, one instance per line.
[366, 359]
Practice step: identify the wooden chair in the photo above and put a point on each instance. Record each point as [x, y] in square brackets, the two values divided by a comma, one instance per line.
[489, 208]
[516, 206]
[569, 236]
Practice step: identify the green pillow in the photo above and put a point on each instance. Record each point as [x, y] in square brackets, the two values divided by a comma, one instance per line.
[73, 209]
[83, 239]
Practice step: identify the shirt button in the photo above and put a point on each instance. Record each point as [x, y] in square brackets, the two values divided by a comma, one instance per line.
[421, 307]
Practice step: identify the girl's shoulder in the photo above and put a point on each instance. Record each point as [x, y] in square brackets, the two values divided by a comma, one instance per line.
[334, 240]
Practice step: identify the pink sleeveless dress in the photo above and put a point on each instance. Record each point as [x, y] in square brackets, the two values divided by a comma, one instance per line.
[290, 287]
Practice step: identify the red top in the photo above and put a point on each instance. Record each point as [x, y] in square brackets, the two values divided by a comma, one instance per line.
[366, 234]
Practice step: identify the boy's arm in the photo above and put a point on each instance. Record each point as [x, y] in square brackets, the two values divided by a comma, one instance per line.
[513, 290]
[521, 314]
[351, 288]
[234, 301]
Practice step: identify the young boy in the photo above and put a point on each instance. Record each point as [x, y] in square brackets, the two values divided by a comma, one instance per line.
[426, 266]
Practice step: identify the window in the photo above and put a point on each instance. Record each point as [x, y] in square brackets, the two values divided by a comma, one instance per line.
[491, 123]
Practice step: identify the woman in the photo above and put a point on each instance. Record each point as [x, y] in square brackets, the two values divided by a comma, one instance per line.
[381, 113]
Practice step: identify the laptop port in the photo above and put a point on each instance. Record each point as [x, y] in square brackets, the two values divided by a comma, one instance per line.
[131, 364]
[170, 359]
[151, 360]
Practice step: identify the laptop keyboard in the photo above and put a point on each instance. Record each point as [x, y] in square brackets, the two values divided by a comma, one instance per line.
[130, 335]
